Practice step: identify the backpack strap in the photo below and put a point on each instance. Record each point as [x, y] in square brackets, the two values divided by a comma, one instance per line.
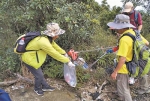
[133, 38]
[32, 35]
[133, 55]
[136, 17]
[130, 35]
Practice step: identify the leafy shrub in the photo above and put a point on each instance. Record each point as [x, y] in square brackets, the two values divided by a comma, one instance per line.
[79, 26]
[9, 61]
[82, 74]
[98, 74]
[53, 69]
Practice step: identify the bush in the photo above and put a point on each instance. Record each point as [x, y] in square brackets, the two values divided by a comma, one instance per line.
[82, 74]
[53, 68]
[9, 61]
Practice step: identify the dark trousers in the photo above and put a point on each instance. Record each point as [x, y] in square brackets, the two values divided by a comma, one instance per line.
[38, 76]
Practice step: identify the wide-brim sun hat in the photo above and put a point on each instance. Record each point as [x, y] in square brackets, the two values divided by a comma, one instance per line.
[121, 21]
[53, 30]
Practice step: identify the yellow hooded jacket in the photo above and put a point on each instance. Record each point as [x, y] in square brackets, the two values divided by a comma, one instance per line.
[44, 47]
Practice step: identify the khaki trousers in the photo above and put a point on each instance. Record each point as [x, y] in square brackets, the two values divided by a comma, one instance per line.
[144, 82]
[123, 87]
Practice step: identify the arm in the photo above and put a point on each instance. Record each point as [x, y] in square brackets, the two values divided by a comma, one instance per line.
[120, 64]
[140, 27]
[145, 41]
[58, 48]
[48, 48]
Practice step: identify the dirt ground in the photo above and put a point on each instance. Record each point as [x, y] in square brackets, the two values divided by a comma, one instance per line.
[61, 93]
[21, 91]
[29, 95]
[64, 92]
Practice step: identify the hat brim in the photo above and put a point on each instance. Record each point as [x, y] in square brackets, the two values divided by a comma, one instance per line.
[120, 25]
[51, 34]
[61, 31]
[127, 10]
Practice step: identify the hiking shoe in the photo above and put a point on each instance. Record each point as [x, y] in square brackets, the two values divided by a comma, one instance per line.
[142, 91]
[49, 88]
[39, 92]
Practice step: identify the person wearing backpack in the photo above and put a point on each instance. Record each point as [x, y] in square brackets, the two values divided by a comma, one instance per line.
[136, 20]
[122, 25]
[135, 16]
[44, 45]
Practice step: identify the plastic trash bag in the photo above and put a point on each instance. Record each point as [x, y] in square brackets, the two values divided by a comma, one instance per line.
[81, 62]
[70, 75]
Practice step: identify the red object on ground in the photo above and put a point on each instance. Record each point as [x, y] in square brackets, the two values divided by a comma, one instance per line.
[115, 49]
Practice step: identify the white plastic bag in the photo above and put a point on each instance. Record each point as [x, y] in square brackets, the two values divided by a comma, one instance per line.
[81, 62]
[70, 75]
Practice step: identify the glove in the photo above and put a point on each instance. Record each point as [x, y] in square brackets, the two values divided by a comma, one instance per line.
[138, 32]
[70, 64]
[109, 51]
[66, 55]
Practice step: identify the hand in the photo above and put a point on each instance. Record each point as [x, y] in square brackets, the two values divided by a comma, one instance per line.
[70, 64]
[66, 55]
[114, 75]
[109, 51]
[138, 32]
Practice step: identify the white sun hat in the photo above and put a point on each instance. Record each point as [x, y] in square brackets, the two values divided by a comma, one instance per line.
[53, 30]
[128, 7]
[121, 21]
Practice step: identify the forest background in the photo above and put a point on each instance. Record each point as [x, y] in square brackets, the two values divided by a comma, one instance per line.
[85, 22]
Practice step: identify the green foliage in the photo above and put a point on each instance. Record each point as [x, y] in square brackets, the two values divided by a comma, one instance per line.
[82, 74]
[100, 43]
[34, 15]
[9, 61]
[146, 27]
[85, 23]
[106, 14]
[99, 73]
[79, 26]
[106, 61]
[53, 69]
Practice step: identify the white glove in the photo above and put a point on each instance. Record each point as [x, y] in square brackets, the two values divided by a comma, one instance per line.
[70, 64]
[66, 55]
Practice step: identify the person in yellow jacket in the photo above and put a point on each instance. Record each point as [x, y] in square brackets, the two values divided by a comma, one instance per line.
[44, 45]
